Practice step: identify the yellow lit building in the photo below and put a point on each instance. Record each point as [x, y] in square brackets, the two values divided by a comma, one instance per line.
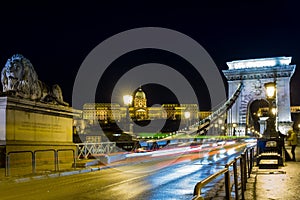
[106, 112]
[176, 111]
[295, 109]
[139, 110]
[112, 112]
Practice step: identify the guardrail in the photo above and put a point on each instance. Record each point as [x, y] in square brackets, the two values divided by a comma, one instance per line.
[245, 160]
[86, 149]
[33, 158]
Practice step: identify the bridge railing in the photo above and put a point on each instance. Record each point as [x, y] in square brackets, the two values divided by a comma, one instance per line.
[244, 163]
[87, 148]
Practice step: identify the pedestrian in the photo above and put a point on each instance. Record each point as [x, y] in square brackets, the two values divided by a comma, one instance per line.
[293, 140]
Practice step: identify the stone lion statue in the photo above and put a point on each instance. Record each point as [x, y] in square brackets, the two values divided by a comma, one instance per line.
[19, 78]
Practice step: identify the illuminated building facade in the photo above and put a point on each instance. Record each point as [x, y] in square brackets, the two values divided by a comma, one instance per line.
[176, 111]
[139, 109]
[113, 112]
[105, 112]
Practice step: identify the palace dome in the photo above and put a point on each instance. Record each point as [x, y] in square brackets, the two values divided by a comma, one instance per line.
[140, 94]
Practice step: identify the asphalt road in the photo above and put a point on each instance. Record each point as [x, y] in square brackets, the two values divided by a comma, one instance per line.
[164, 178]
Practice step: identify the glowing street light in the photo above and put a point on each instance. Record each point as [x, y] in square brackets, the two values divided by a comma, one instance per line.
[187, 116]
[127, 100]
[270, 90]
[234, 131]
[271, 95]
[274, 111]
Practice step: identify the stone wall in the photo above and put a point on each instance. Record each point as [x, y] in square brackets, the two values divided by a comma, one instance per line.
[34, 126]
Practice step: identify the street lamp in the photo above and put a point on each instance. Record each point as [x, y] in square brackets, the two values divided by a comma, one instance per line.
[127, 101]
[270, 93]
[234, 126]
[187, 116]
[270, 90]
[223, 130]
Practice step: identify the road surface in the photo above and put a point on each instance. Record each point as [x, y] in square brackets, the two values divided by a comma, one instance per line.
[163, 178]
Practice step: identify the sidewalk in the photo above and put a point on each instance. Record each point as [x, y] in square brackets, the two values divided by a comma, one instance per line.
[271, 184]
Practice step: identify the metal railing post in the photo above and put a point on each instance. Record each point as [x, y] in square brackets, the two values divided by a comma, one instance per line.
[251, 159]
[33, 161]
[245, 169]
[74, 157]
[56, 158]
[85, 150]
[7, 166]
[248, 164]
[242, 175]
[227, 182]
[55, 161]
[235, 176]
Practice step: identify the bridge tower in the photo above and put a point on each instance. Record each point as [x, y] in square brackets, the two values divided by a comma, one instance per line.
[253, 74]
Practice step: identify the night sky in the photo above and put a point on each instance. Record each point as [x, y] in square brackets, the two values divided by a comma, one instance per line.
[56, 38]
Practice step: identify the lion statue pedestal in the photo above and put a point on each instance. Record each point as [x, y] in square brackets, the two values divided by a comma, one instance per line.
[35, 122]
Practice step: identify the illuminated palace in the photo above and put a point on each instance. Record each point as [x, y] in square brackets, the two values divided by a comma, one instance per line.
[138, 110]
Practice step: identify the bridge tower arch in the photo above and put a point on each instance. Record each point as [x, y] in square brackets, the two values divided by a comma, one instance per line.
[254, 119]
[253, 74]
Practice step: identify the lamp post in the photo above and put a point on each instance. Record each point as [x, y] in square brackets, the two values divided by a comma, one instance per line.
[187, 116]
[220, 122]
[127, 101]
[234, 131]
[223, 130]
[270, 93]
